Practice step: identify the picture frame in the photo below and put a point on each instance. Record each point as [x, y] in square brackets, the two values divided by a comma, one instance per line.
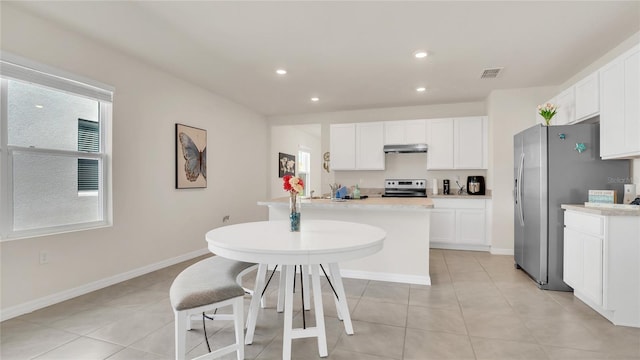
[286, 165]
[191, 157]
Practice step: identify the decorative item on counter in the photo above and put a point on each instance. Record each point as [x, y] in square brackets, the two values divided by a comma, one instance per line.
[445, 186]
[547, 111]
[580, 147]
[602, 196]
[460, 188]
[435, 186]
[356, 192]
[629, 193]
[294, 185]
[334, 189]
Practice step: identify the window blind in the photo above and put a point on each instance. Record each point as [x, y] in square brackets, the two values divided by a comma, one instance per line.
[88, 169]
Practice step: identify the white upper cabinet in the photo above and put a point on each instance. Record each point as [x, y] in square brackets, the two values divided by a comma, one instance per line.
[357, 146]
[459, 143]
[620, 106]
[566, 102]
[343, 146]
[587, 97]
[470, 143]
[394, 132]
[405, 132]
[440, 142]
[415, 131]
[369, 146]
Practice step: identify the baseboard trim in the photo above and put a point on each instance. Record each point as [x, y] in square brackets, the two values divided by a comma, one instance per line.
[399, 278]
[42, 302]
[497, 251]
[447, 246]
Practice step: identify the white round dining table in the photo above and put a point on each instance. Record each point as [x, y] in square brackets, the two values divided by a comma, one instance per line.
[318, 242]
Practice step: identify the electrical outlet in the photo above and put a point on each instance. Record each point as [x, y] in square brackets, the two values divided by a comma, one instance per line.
[44, 257]
[226, 218]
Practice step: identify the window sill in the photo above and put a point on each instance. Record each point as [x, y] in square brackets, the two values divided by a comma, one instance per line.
[27, 234]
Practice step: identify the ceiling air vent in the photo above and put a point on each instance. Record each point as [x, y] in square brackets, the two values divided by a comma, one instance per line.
[490, 73]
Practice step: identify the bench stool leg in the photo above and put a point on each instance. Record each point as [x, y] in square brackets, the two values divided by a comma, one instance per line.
[252, 316]
[181, 319]
[238, 314]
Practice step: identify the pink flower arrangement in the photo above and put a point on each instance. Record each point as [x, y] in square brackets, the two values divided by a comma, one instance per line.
[293, 184]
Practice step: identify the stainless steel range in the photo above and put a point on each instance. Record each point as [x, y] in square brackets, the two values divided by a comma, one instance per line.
[405, 188]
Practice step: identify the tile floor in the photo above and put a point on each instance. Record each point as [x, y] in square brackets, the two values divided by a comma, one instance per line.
[479, 307]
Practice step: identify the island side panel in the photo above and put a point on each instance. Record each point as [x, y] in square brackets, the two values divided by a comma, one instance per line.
[405, 255]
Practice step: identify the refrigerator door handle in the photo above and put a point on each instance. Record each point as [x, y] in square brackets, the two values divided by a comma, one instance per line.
[519, 189]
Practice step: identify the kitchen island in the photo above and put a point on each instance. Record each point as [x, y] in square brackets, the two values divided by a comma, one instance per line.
[405, 256]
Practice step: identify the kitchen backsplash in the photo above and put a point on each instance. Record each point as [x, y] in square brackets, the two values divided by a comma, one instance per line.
[403, 166]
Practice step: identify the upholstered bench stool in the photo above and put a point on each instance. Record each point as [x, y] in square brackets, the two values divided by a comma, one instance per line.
[204, 286]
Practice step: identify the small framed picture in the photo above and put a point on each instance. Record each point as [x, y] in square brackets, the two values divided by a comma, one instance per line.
[191, 157]
[286, 165]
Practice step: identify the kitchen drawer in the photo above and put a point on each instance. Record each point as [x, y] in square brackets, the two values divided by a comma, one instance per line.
[584, 223]
[471, 203]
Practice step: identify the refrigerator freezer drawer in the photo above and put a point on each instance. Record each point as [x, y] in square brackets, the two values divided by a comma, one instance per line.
[588, 224]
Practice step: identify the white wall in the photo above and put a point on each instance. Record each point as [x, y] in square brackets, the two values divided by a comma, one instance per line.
[288, 139]
[152, 220]
[405, 165]
[510, 111]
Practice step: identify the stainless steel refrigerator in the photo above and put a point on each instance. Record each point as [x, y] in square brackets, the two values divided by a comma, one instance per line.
[550, 171]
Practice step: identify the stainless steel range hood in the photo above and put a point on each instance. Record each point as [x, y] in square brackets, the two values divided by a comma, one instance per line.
[408, 148]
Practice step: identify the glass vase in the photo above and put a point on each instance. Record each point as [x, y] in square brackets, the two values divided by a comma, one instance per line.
[294, 212]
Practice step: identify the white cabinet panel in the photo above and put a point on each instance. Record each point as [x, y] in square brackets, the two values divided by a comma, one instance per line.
[469, 143]
[566, 103]
[405, 132]
[573, 259]
[416, 131]
[470, 226]
[394, 132]
[357, 146]
[458, 224]
[587, 97]
[602, 264]
[443, 226]
[620, 106]
[592, 269]
[369, 146]
[440, 153]
[343, 146]
[459, 143]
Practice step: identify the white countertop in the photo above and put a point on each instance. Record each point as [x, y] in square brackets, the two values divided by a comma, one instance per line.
[601, 210]
[369, 203]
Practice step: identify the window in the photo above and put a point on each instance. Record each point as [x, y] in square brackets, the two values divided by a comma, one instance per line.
[55, 160]
[304, 169]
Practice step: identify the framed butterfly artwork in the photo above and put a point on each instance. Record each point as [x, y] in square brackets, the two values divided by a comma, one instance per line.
[286, 165]
[191, 157]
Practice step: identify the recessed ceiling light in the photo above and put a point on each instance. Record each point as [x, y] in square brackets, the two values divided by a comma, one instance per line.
[281, 71]
[39, 106]
[421, 89]
[420, 54]
[315, 99]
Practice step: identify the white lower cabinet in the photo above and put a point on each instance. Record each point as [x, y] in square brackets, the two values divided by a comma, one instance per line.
[458, 224]
[443, 226]
[601, 263]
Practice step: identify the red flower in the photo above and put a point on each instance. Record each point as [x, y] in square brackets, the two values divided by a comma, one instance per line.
[287, 186]
[292, 184]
